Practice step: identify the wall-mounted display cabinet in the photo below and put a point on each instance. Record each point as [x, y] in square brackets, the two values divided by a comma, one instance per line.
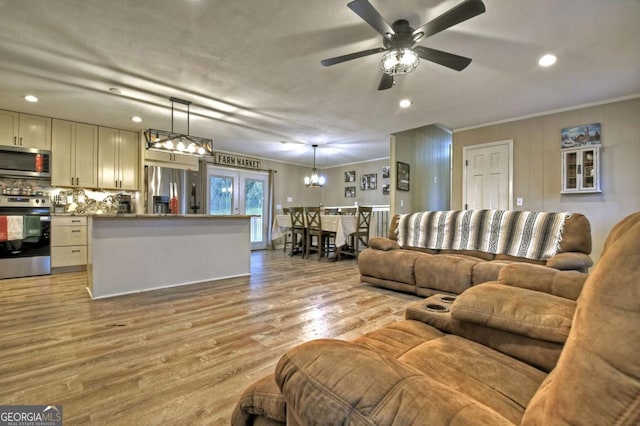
[581, 170]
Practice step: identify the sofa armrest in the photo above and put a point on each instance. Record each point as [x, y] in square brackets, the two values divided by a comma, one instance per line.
[566, 284]
[516, 310]
[335, 382]
[382, 243]
[572, 260]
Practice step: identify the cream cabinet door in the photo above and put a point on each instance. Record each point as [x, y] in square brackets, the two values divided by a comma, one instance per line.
[62, 147]
[34, 131]
[108, 175]
[128, 160]
[86, 155]
[8, 128]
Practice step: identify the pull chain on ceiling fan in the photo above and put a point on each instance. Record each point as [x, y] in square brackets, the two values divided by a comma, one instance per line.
[399, 39]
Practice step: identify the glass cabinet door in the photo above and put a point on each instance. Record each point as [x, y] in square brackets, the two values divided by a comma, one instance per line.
[588, 169]
[570, 171]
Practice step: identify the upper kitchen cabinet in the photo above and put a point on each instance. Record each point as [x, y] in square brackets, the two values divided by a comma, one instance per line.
[118, 159]
[74, 150]
[25, 130]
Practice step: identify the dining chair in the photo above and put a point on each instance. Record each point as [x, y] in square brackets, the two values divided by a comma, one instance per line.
[296, 215]
[331, 211]
[287, 234]
[322, 243]
[360, 239]
[350, 211]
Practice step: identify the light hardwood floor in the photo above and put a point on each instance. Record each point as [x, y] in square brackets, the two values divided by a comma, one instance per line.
[178, 356]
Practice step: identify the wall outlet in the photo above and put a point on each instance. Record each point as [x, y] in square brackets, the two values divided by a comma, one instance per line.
[519, 202]
[289, 199]
[278, 206]
[401, 203]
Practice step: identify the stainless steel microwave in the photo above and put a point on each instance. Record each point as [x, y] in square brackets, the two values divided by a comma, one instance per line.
[25, 162]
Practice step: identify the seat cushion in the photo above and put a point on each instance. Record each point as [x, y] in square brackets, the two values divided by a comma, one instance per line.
[334, 382]
[487, 376]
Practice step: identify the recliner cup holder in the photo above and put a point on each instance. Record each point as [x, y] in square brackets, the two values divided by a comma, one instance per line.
[447, 299]
[434, 307]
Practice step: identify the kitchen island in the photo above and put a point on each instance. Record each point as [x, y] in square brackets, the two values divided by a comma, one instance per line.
[131, 253]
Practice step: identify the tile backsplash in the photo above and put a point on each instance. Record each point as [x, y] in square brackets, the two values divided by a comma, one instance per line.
[65, 200]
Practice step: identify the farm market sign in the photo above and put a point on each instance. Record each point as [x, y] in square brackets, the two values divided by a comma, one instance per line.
[231, 160]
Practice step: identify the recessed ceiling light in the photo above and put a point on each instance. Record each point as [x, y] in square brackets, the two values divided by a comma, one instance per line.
[405, 103]
[31, 98]
[547, 60]
[136, 119]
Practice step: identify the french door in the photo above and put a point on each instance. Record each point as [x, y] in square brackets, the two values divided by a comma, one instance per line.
[231, 191]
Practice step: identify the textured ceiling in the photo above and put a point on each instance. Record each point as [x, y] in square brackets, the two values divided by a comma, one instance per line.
[251, 68]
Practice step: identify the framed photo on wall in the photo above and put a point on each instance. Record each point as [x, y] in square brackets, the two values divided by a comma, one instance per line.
[386, 189]
[385, 172]
[350, 176]
[402, 176]
[349, 192]
[368, 181]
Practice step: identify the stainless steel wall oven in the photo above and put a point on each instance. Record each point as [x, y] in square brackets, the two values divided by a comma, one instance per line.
[25, 224]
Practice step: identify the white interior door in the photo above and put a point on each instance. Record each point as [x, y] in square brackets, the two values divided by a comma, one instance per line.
[488, 176]
[232, 191]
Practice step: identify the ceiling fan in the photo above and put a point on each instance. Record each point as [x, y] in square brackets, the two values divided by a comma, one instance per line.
[400, 38]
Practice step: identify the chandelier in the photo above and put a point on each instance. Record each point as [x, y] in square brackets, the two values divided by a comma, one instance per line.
[314, 181]
[399, 61]
[176, 142]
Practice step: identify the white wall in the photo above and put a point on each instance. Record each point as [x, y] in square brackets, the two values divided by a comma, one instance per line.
[537, 163]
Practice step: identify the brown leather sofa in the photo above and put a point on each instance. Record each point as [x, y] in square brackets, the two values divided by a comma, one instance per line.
[411, 373]
[426, 271]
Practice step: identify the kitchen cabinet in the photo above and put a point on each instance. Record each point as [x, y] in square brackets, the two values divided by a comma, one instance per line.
[68, 241]
[25, 130]
[117, 159]
[174, 160]
[74, 152]
[581, 170]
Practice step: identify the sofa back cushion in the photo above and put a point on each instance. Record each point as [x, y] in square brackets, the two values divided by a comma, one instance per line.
[597, 379]
[533, 235]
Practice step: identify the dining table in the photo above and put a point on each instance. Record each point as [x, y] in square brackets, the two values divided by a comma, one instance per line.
[342, 225]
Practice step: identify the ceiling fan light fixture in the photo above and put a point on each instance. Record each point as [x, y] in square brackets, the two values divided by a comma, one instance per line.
[399, 61]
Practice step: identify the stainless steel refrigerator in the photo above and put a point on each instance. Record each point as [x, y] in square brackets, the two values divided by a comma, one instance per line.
[163, 183]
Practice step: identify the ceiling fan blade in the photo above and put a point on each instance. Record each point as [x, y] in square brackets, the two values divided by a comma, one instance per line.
[371, 16]
[465, 10]
[386, 82]
[445, 59]
[350, 56]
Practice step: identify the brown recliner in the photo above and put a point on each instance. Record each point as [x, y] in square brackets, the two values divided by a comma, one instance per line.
[412, 373]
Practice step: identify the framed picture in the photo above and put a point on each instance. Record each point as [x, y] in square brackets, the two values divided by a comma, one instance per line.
[385, 172]
[402, 176]
[368, 181]
[349, 192]
[385, 189]
[350, 176]
[589, 134]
